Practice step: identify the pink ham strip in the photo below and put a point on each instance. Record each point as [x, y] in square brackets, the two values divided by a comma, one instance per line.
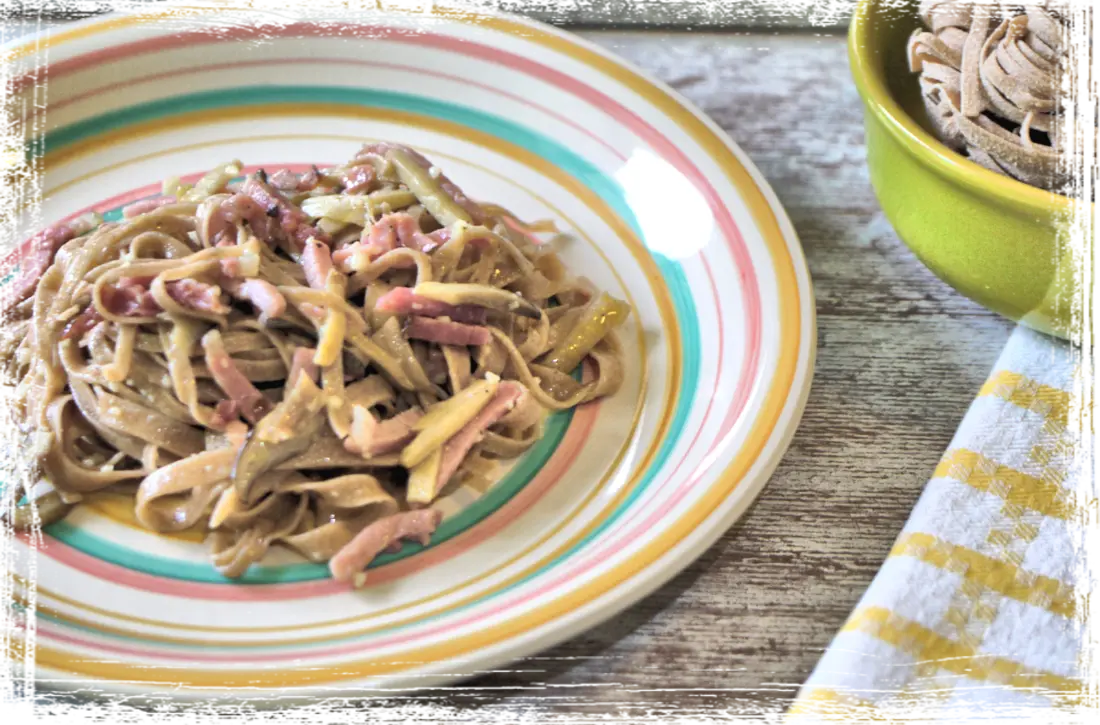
[317, 263]
[220, 237]
[146, 205]
[309, 180]
[345, 258]
[82, 324]
[253, 405]
[225, 412]
[388, 436]
[391, 232]
[394, 433]
[380, 148]
[197, 295]
[287, 180]
[446, 332]
[442, 236]
[284, 180]
[379, 536]
[358, 178]
[40, 253]
[292, 220]
[456, 448]
[302, 362]
[131, 297]
[229, 267]
[403, 301]
[394, 230]
[342, 256]
[235, 209]
[261, 294]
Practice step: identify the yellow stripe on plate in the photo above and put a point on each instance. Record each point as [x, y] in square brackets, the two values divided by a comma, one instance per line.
[1015, 487]
[1000, 576]
[924, 644]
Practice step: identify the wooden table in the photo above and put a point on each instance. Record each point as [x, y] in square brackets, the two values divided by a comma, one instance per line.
[900, 356]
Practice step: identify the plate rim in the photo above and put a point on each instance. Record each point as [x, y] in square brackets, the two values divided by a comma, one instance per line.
[638, 585]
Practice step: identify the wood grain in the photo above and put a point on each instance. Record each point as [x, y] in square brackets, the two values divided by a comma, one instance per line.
[900, 358]
[684, 13]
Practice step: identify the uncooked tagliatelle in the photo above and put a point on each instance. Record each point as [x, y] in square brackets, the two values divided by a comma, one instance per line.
[298, 359]
[990, 76]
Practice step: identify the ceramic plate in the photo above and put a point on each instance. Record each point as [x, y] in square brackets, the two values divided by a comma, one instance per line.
[661, 209]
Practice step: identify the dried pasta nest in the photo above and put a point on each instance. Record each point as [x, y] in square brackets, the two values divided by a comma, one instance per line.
[990, 76]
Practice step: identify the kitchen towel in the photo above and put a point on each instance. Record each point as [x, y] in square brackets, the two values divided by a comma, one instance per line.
[974, 612]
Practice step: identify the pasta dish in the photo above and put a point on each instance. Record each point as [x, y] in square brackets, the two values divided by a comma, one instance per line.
[304, 360]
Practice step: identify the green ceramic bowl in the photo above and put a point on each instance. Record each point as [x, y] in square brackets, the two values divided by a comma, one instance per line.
[998, 241]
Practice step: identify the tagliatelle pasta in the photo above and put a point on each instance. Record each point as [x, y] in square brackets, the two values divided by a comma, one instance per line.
[298, 360]
[1012, 84]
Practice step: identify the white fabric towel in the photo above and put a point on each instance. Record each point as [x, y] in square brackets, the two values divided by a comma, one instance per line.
[974, 614]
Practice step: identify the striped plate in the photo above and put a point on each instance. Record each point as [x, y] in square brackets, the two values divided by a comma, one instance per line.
[661, 209]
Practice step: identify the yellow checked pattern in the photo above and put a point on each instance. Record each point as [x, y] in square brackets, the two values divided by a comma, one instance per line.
[975, 608]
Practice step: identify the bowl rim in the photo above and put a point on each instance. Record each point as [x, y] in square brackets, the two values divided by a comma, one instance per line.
[878, 100]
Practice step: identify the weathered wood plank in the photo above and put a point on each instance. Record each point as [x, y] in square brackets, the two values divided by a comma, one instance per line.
[727, 13]
[900, 358]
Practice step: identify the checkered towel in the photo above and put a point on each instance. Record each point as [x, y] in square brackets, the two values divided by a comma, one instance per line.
[973, 613]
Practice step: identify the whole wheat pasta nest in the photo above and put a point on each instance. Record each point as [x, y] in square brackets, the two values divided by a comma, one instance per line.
[1011, 85]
